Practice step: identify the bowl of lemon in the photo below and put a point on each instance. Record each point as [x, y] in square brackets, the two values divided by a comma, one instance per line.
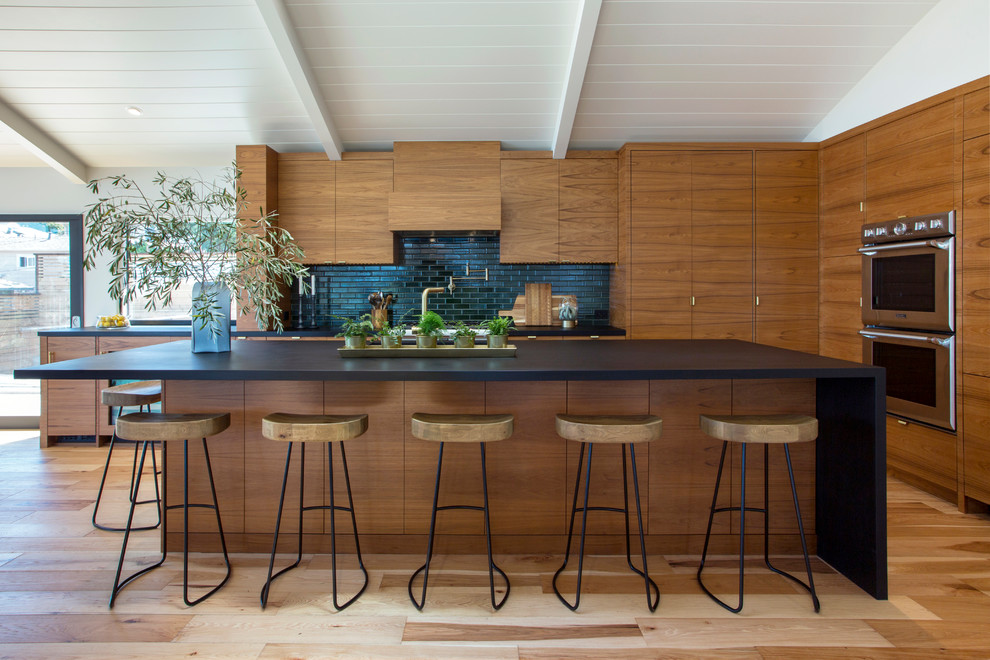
[112, 322]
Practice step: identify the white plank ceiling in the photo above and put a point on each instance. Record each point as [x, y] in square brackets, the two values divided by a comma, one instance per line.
[211, 74]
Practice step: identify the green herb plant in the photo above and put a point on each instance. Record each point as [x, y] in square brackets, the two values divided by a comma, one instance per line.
[499, 325]
[463, 330]
[359, 327]
[430, 324]
[191, 229]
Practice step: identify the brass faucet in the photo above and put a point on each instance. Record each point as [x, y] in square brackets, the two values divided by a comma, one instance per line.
[426, 294]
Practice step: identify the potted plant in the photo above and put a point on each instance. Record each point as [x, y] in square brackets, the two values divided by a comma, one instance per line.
[498, 330]
[195, 230]
[391, 335]
[430, 327]
[464, 335]
[356, 331]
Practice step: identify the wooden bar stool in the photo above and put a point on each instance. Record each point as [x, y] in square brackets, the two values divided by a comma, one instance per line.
[590, 430]
[148, 428]
[304, 429]
[765, 430]
[141, 394]
[461, 428]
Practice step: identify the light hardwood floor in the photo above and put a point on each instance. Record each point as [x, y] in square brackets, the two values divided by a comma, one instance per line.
[56, 570]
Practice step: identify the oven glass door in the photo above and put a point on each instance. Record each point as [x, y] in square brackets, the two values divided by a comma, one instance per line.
[909, 285]
[920, 374]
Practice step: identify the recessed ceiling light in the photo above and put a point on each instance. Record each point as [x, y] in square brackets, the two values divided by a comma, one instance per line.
[134, 110]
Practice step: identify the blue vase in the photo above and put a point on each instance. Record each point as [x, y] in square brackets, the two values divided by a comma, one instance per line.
[206, 339]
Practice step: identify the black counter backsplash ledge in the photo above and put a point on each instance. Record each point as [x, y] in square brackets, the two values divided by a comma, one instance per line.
[342, 290]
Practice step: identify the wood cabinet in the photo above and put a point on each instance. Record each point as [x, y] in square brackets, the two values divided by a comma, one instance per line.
[909, 168]
[976, 438]
[66, 405]
[588, 210]
[975, 256]
[786, 259]
[691, 245]
[923, 457]
[258, 165]
[529, 211]
[306, 204]
[976, 113]
[361, 222]
[843, 196]
[559, 211]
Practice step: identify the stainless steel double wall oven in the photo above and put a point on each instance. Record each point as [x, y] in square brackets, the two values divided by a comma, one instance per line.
[909, 314]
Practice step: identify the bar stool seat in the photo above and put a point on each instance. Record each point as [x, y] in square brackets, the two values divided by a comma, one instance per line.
[327, 429]
[141, 394]
[782, 429]
[461, 428]
[147, 428]
[624, 430]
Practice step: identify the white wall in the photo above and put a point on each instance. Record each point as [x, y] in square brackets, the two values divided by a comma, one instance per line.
[35, 190]
[948, 47]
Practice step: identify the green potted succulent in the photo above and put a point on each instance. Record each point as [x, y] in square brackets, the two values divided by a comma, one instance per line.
[198, 230]
[356, 331]
[464, 335]
[498, 331]
[391, 335]
[430, 327]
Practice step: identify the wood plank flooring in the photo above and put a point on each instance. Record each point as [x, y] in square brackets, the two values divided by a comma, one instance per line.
[56, 571]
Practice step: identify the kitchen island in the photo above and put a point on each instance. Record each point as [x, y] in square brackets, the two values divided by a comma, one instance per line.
[530, 475]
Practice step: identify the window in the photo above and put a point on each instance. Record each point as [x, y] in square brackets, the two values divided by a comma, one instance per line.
[28, 261]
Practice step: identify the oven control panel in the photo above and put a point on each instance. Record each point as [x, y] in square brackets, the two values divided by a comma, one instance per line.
[934, 225]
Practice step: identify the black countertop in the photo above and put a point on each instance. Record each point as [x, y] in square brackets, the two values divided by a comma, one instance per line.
[551, 360]
[183, 331]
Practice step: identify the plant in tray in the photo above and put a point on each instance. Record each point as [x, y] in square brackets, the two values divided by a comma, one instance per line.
[464, 335]
[356, 331]
[498, 330]
[391, 335]
[430, 326]
[197, 230]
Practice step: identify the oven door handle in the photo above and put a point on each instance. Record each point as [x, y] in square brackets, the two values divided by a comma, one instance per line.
[883, 334]
[940, 244]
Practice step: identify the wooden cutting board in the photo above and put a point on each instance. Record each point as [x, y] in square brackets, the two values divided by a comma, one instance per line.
[538, 303]
[518, 311]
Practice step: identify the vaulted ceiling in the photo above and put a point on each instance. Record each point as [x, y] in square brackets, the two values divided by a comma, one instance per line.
[356, 75]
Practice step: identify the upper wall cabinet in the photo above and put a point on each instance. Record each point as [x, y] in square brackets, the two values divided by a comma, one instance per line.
[559, 211]
[529, 211]
[362, 191]
[976, 256]
[306, 204]
[976, 113]
[910, 168]
[588, 210]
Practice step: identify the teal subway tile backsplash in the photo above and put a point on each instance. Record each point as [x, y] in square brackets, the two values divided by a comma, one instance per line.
[342, 290]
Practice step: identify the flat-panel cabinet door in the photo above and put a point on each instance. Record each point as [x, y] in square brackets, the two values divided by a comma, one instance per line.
[786, 259]
[588, 210]
[362, 234]
[529, 211]
[68, 406]
[975, 256]
[660, 245]
[722, 245]
[306, 204]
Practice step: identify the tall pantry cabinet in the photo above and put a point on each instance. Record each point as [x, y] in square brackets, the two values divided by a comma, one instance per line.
[722, 243]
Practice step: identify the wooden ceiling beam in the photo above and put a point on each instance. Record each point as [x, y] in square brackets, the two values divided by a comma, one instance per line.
[293, 55]
[43, 145]
[584, 35]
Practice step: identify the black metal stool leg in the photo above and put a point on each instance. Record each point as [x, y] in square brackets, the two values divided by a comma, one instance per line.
[185, 525]
[425, 568]
[333, 535]
[488, 538]
[651, 586]
[278, 523]
[132, 493]
[711, 516]
[810, 585]
[117, 584]
[584, 528]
